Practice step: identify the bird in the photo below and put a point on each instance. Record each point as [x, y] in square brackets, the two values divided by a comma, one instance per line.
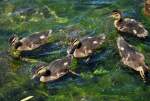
[30, 42]
[54, 70]
[82, 48]
[128, 25]
[132, 58]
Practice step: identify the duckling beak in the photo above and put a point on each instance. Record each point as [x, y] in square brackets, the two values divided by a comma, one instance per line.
[111, 16]
[71, 51]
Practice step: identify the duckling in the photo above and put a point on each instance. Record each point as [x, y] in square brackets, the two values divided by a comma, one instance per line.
[128, 25]
[31, 42]
[85, 47]
[132, 58]
[147, 7]
[54, 70]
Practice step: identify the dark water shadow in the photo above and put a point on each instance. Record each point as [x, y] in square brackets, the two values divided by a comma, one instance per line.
[61, 82]
[95, 59]
[132, 38]
[135, 75]
[43, 51]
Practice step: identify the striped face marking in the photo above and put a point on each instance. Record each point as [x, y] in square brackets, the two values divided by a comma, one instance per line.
[76, 42]
[14, 39]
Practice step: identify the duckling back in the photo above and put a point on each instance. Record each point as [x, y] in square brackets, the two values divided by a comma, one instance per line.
[133, 27]
[34, 41]
[93, 42]
[60, 65]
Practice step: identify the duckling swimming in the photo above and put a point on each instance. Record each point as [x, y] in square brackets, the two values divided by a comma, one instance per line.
[31, 42]
[132, 58]
[85, 47]
[54, 70]
[128, 25]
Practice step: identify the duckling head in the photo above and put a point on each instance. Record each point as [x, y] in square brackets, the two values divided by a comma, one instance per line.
[75, 45]
[14, 41]
[116, 14]
[42, 71]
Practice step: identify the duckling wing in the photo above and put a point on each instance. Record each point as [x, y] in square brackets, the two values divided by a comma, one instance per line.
[93, 43]
[59, 66]
[133, 60]
[133, 27]
[39, 38]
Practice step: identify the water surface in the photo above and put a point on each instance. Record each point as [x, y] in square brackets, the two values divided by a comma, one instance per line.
[104, 78]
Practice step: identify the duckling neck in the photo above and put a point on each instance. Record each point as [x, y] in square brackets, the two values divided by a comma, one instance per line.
[117, 22]
[121, 19]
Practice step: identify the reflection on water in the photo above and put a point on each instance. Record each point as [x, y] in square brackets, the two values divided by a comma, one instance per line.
[103, 78]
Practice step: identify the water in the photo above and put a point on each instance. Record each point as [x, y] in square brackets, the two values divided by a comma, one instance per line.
[103, 79]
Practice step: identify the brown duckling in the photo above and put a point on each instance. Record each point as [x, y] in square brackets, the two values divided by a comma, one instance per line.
[86, 46]
[54, 70]
[132, 58]
[128, 25]
[31, 42]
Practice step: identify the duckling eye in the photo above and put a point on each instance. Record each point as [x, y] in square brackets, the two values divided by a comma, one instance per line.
[18, 44]
[116, 14]
[47, 73]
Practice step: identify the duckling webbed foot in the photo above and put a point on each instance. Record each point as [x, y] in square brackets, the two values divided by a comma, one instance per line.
[142, 73]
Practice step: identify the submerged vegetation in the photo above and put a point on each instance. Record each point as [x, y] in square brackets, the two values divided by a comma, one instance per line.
[104, 78]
